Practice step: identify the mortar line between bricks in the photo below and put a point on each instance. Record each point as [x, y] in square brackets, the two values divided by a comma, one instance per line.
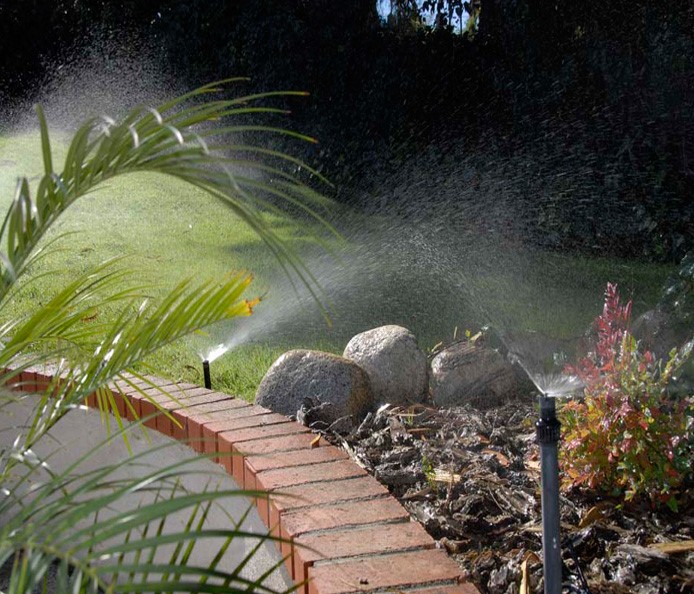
[327, 504]
[239, 444]
[414, 588]
[222, 398]
[304, 484]
[353, 528]
[419, 587]
[204, 423]
[259, 473]
[380, 555]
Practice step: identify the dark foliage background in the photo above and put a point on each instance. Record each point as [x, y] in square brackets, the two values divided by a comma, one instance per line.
[584, 109]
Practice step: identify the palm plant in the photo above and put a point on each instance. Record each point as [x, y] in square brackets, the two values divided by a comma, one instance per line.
[50, 521]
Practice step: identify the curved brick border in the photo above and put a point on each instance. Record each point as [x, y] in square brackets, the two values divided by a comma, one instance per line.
[361, 539]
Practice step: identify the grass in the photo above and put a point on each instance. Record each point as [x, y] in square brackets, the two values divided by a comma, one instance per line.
[168, 232]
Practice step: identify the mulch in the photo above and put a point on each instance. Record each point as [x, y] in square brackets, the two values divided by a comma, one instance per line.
[472, 478]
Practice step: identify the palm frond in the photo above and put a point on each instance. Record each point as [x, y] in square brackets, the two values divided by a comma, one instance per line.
[167, 140]
[65, 524]
[70, 519]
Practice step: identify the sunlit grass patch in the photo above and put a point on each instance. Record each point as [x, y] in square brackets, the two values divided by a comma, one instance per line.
[168, 231]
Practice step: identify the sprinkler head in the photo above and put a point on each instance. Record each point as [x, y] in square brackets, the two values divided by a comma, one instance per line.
[548, 426]
[206, 374]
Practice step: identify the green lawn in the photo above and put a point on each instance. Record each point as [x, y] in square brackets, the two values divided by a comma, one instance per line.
[170, 232]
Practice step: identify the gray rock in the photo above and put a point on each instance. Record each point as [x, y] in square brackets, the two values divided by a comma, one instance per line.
[465, 373]
[324, 387]
[394, 363]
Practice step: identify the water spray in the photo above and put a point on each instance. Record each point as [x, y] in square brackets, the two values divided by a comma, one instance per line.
[206, 374]
[548, 429]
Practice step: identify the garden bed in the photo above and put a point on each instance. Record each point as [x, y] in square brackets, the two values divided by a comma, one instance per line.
[472, 479]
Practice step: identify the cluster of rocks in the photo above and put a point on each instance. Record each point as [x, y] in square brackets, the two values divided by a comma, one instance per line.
[385, 365]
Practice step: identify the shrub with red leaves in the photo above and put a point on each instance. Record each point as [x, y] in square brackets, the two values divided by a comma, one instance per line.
[627, 437]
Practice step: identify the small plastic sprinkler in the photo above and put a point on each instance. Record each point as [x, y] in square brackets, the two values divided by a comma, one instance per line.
[206, 374]
[548, 429]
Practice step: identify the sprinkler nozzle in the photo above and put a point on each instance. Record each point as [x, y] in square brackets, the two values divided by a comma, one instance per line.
[206, 374]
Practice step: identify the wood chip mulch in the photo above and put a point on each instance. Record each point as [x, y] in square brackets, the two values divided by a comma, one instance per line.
[472, 478]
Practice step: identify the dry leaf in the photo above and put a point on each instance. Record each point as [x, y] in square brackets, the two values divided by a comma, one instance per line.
[503, 459]
[483, 438]
[419, 430]
[533, 465]
[455, 547]
[445, 476]
[594, 514]
[530, 557]
[315, 442]
[681, 546]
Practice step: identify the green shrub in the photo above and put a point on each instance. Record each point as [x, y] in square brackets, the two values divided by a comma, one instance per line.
[627, 437]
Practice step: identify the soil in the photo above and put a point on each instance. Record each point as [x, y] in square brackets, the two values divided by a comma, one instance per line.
[472, 479]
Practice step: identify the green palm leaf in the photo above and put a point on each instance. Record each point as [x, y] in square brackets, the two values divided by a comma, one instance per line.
[65, 524]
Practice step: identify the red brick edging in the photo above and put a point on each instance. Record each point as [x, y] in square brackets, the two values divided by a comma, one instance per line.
[358, 538]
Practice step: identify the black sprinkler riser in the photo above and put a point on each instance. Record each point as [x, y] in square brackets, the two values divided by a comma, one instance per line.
[548, 430]
[206, 374]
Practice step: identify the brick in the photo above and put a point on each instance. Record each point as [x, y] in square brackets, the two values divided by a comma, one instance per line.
[301, 496]
[6, 371]
[226, 458]
[249, 433]
[133, 392]
[201, 409]
[169, 398]
[232, 454]
[13, 380]
[35, 378]
[255, 464]
[260, 447]
[27, 380]
[195, 422]
[210, 430]
[345, 514]
[130, 409]
[108, 398]
[255, 420]
[280, 478]
[170, 425]
[129, 383]
[43, 382]
[149, 399]
[367, 540]
[17, 383]
[194, 396]
[117, 399]
[133, 388]
[289, 563]
[387, 571]
[174, 397]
